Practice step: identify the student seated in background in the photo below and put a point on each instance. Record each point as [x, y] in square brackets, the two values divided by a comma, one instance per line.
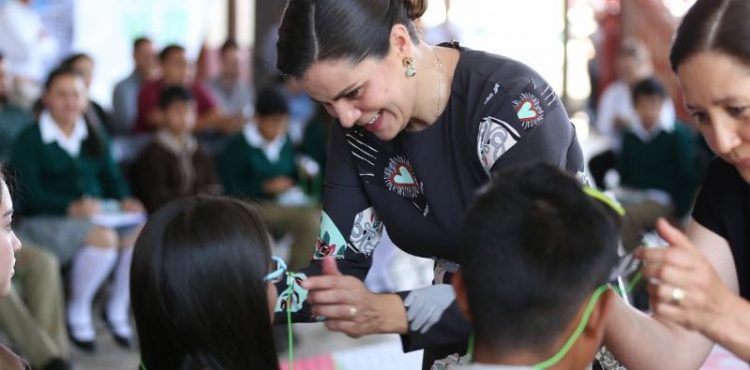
[174, 165]
[259, 164]
[203, 289]
[94, 113]
[66, 176]
[657, 163]
[536, 257]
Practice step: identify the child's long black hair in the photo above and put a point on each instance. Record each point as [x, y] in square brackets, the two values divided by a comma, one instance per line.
[197, 288]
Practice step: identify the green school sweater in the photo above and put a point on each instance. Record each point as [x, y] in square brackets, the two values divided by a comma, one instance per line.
[244, 168]
[13, 121]
[49, 179]
[667, 163]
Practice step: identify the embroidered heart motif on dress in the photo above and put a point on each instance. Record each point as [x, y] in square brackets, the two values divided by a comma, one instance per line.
[404, 177]
[527, 111]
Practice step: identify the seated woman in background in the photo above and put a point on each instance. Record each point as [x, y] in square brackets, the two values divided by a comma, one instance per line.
[66, 177]
[201, 287]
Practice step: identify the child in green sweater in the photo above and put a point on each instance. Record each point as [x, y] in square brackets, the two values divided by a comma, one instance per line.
[259, 164]
[65, 172]
[657, 163]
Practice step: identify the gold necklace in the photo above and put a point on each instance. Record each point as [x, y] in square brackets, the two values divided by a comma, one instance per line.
[440, 83]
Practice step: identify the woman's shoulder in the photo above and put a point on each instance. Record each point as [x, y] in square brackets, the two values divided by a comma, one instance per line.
[504, 89]
[493, 67]
[724, 176]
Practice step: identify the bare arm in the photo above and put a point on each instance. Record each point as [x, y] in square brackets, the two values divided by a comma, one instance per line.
[642, 342]
[731, 327]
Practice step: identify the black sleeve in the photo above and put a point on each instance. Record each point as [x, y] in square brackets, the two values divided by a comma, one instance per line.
[712, 197]
[517, 120]
[545, 134]
[349, 228]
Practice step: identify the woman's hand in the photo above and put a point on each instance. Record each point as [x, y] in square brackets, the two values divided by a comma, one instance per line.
[131, 205]
[684, 287]
[349, 307]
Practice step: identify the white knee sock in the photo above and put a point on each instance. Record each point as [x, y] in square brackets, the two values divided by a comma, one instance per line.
[91, 265]
[119, 295]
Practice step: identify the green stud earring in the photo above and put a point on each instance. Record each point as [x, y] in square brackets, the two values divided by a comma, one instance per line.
[411, 71]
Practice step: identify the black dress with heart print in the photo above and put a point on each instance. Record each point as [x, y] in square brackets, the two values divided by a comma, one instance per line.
[419, 185]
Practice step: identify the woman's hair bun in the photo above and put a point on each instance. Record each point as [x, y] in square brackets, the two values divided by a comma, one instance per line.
[415, 8]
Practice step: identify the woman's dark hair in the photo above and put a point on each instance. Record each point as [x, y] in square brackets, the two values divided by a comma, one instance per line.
[718, 25]
[197, 288]
[94, 144]
[313, 30]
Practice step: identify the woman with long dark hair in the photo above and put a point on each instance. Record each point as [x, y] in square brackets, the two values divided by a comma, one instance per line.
[202, 287]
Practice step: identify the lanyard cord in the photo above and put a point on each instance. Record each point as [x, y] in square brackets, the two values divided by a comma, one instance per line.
[290, 282]
[571, 340]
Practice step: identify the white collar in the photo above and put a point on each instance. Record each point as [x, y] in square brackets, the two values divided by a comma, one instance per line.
[272, 149]
[168, 141]
[648, 135]
[51, 133]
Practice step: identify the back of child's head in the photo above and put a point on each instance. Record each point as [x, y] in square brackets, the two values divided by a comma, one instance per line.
[174, 93]
[271, 101]
[197, 285]
[648, 87]
[535, 246]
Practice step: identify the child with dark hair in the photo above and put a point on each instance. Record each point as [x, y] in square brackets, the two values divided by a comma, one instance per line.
[202, 287]
[67, 178]
[174, 165]
[537, 254]
[657, 160]
[260, 164]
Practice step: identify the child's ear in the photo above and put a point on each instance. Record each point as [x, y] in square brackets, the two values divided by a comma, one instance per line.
[593, 333]
[585, 348]
[461, 298]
